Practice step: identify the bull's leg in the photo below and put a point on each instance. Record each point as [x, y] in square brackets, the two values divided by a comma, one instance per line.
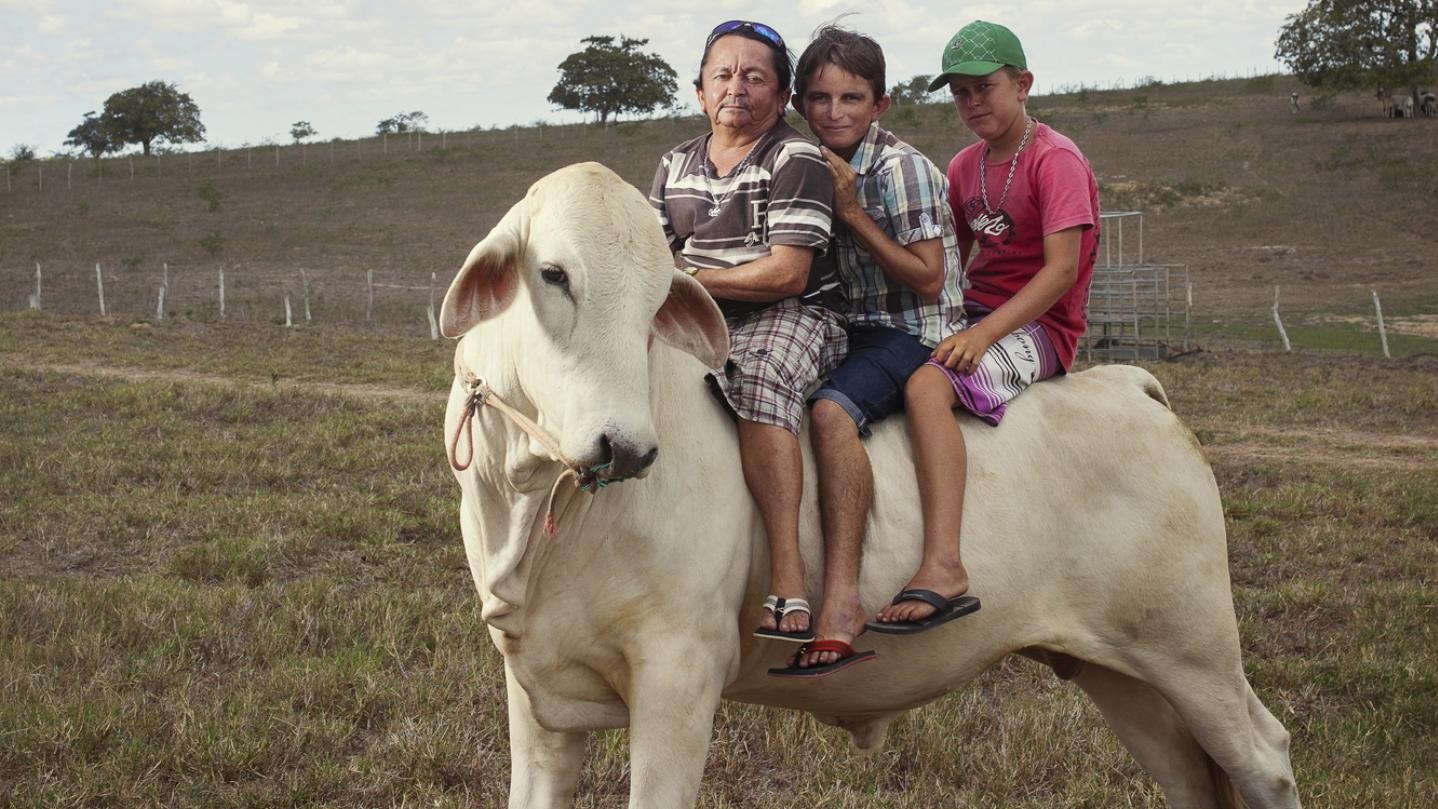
[671, 718]
[1155, 735]
[1238, 732]
[544, 765]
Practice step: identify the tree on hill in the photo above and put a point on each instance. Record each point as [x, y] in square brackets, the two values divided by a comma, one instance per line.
[913, 91]
[92, 137]
[403, 122]
[608, 78]
[1345, 44]
[153, 111]
[300, 130]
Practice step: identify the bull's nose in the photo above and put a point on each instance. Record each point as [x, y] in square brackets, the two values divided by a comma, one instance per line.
[625, 459]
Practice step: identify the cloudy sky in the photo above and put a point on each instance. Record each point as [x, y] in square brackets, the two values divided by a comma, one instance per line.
[254, 67]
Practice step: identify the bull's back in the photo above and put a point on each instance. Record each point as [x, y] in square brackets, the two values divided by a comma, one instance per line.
[1090, 501]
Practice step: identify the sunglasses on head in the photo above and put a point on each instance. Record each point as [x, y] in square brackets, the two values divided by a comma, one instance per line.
[759, 28]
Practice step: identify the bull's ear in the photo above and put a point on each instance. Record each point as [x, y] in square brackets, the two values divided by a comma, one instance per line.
[690, 320]
[487, 282]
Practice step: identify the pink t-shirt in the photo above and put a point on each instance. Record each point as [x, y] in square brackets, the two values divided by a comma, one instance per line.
[1053, 189]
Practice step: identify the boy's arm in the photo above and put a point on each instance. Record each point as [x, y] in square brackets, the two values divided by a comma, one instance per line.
[918, 265]
[963, 350]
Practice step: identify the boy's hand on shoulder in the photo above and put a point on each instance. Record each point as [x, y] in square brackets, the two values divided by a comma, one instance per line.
[846, 193]
[962, 350]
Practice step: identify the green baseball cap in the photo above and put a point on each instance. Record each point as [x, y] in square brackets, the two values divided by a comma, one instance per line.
[979, 49]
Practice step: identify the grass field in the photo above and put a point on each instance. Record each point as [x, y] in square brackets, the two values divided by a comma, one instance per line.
[237, 581]
[230, 569]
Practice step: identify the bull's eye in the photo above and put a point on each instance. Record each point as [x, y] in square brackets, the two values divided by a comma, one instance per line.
[554, 276]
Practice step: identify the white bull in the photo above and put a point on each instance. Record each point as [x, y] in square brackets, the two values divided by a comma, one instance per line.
[1094, 533]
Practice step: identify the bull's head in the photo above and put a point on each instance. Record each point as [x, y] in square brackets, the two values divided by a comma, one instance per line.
[562, 300]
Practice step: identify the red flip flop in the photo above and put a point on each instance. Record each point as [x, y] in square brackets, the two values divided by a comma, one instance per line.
[847, 658]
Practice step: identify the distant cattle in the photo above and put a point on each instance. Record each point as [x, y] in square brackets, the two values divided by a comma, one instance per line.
[1428, 104]
[1293, 103]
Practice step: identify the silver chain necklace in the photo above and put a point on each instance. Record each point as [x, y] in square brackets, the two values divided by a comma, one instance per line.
[1013, 164]
[720, 199]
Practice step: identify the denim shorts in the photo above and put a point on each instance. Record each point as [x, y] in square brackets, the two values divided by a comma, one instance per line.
[869, 382]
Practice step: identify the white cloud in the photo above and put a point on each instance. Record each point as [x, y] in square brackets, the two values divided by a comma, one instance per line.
[50, 24]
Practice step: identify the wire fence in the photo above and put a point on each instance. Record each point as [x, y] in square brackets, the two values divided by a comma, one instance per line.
[231, 292]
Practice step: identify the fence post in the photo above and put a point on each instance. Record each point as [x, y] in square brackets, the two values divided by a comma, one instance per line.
[100, 288]
[277, 156]
[289, 320]
[1382, 332]
[132, 169]
[164, 287]
[69, 171]
[305, 284]
[1281, 332]
[35, 299]
[222, 293]
[369, 296]
[433, 324]
[40, 172]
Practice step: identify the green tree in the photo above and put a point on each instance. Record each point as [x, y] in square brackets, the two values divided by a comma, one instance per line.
[153, 111]
[1343, 44]
[913, 91]
[300, 130]
[403, 122]
[609, 78]
[92, 136]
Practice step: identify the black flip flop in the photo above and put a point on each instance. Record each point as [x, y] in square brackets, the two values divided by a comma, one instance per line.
[945, 610]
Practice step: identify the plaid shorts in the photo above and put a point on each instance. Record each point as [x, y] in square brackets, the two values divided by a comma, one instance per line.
[1019, 359]
[776, 355]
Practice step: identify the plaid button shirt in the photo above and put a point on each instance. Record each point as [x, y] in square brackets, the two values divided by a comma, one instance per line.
[907, 196]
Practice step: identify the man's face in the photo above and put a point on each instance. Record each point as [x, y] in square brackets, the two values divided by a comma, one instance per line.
[839, 107]
[740, 90]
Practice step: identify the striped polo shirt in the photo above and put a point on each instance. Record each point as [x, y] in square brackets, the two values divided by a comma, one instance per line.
[781, 193]
[908, 198]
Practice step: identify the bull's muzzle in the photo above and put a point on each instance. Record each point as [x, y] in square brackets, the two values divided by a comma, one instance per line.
[624, 458]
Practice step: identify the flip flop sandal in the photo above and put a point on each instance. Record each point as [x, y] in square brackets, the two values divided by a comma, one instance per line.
[945, 610]
[781, 607]
[847, 658]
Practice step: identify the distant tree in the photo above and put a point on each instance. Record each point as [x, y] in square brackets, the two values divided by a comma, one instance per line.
[300, 130]
[913, 91]
[1343, 44]
[22, 151]
[92, 136]
[609, 78]
[153, 111]
[403, 122]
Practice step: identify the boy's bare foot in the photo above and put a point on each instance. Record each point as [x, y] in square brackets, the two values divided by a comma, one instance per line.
[841, 623]
[948, 581]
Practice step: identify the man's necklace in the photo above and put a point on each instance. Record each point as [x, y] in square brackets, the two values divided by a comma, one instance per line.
[983, 170]
[720, 199]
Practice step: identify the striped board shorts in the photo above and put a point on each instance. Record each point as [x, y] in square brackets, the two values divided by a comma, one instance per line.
[776, 356]
[1019, 359]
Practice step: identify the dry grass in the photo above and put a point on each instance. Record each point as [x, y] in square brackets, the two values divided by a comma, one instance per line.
[227, 590]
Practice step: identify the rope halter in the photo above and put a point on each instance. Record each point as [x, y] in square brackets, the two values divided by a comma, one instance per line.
[586, 479]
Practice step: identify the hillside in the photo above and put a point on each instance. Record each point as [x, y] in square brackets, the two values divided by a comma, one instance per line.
[1326, 203]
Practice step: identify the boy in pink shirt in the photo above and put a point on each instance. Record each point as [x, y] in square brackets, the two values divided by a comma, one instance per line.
[1028, 198]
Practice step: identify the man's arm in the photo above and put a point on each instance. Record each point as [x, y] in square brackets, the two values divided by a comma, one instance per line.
[781, 274]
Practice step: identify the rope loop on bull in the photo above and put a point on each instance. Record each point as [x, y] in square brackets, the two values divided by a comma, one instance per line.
[480, 394]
